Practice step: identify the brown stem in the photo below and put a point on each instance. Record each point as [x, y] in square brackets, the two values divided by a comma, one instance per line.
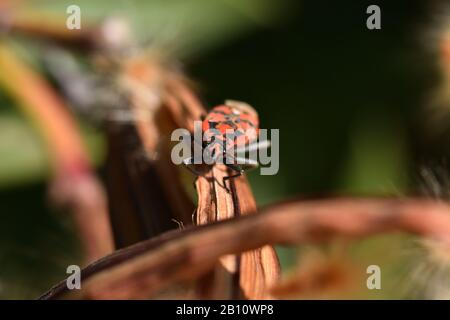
[221, 199]
[141, 271]
[50, 28]
[74, 184]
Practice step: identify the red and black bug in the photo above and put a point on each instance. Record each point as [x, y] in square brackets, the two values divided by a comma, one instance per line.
[230, 130]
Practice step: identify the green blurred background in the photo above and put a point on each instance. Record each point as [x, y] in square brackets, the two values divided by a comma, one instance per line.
[347, 101]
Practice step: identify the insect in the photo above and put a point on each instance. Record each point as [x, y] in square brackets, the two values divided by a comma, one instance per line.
[229, 132]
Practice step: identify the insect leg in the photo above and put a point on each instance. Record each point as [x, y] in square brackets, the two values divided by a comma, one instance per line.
[237, 168]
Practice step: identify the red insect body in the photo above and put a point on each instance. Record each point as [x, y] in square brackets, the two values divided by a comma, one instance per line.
[233, 117]
[228, 130]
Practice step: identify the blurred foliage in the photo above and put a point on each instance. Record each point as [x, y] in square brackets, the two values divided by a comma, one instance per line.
[344, 99]
[184, 27]
[23, 159]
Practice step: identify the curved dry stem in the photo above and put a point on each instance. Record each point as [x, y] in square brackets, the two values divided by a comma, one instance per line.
[75, 184]
[141, 271]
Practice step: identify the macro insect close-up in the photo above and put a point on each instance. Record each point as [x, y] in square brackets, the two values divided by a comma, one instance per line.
[230, 131]
[224, 150]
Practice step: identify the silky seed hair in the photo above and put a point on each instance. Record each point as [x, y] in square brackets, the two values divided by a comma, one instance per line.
[428, 272]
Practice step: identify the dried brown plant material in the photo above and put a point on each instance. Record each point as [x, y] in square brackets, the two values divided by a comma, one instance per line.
[143, 270]
[75, 184]
[252, 272]
[139, 207]
[156, 89]
[148, 194]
